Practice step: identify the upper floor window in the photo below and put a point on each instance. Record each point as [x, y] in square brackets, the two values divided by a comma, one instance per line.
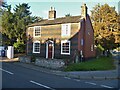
[66, 28]
[37, 31]
[65, 47]
[36, 47]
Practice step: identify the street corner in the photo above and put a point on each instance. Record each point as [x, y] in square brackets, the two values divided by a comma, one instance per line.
[5, 59]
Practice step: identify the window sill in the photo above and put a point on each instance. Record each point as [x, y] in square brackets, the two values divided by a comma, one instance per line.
[36, 52]
[65, 53]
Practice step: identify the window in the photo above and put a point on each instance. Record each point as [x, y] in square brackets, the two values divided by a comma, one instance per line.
[36, 47]
[82, 42]
[65, 30]
[37, 31]
[92, 47]
[65, 47]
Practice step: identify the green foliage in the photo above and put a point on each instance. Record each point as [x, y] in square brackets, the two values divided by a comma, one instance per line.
[33, 58]
[19, 47]
[101, 63]
[105, 24]
[100, 47]
[21, 20]
[68, 15]
[108, 42]
[14, 24]
[35, 19]
[7, 23]
[99, 50]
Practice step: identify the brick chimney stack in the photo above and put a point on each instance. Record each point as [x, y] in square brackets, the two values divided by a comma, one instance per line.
[52, 13]
[84, 11]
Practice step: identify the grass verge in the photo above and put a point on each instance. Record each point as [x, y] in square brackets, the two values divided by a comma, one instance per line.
[101, 63]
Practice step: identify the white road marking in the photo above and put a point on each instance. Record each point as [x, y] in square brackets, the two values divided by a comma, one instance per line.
[67, 77]
[76, 80]
[106, 86]
[41, 85]
[6, 71]
[90, 83]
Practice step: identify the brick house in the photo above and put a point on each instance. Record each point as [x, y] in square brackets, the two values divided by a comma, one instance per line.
[65, 37]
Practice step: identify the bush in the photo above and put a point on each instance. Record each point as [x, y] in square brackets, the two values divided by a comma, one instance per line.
[19, 47]
[33, 58]
[99, 50]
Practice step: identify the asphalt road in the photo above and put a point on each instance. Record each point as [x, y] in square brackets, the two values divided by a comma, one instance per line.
[14, 76]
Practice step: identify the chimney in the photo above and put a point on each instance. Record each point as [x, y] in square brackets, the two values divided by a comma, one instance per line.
[84, 10]
[52, 13]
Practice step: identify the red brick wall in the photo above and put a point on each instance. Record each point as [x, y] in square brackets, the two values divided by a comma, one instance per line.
[81, 35]
[89, 39]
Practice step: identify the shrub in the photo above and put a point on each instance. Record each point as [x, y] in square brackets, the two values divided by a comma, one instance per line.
[19, 47]
[33, 58]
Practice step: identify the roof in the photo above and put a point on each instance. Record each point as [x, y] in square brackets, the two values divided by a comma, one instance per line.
[69, 19]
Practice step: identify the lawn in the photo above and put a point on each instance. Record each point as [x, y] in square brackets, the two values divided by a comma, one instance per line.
[101, 63]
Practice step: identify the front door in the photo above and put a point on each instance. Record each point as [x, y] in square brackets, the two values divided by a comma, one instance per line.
[50, 50]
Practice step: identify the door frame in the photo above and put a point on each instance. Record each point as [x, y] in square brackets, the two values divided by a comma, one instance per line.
[50, 41]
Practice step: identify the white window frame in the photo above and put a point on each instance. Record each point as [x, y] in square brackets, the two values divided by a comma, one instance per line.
[65, 41]
[34, 31]
[92, 47]
[82, 42]
[63, 29]
[34, 46]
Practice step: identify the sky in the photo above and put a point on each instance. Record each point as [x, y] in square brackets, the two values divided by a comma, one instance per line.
[62, 7]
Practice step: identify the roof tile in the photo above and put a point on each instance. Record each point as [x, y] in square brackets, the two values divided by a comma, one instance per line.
[69, 19]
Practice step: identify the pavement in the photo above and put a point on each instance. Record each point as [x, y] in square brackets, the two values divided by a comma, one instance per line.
[98, 75]
[4, 59]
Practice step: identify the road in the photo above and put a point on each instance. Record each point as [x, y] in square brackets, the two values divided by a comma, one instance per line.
[14, 76]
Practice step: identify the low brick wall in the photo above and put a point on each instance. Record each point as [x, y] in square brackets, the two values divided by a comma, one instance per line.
[25, 59]
[53, 64]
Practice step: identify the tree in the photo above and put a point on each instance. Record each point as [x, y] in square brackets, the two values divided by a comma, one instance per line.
[36, 19]
[14, 24]
[2, 36]
[108, 42]
[68, 15]
[105, 24]
[22, 19]
[7, 24]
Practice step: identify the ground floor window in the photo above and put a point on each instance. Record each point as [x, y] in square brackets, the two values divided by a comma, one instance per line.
[65, 47]
[36, 47]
